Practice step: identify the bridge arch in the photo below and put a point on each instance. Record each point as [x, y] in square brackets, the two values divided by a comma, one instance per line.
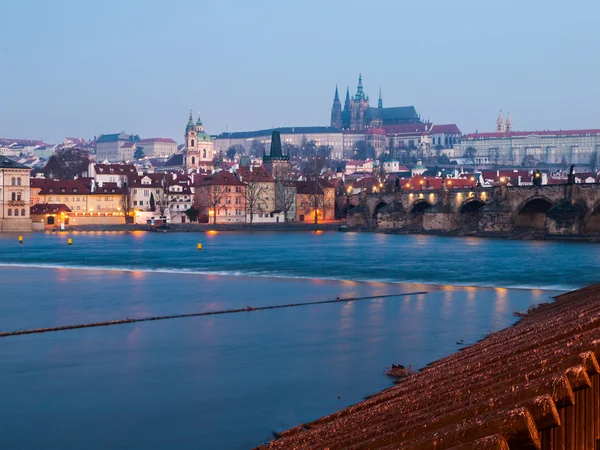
[377, 207]
[591, 223]
[415, 216]
[471, 205]
[531, 213]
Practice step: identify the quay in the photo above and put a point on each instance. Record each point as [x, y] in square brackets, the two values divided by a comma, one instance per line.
[535, 385]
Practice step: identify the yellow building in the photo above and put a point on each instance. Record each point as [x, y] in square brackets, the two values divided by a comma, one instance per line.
[14, 196]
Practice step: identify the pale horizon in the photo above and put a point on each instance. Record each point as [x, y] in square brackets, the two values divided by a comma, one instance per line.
[140, 67]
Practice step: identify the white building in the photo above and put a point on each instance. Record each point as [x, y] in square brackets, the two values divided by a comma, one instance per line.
[158, 146]
[116, 147]
[580, 147]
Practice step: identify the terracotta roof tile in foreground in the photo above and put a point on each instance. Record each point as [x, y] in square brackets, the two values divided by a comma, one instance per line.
[535, 385]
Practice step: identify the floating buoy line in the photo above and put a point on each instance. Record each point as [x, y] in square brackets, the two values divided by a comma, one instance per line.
[205, 313]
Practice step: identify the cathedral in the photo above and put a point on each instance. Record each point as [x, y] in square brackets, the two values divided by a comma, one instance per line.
[357, 115]
[502, 126]
[199, 148]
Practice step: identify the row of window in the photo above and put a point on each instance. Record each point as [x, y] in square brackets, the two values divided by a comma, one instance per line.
[15, 181]
[15, 196]
[16, 210]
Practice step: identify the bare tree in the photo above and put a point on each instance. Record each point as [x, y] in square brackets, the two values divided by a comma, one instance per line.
[285, 197]
[470, 153]
[163, 199]
[126, 198]
[254, 199]
[210, 196]
[316, 201]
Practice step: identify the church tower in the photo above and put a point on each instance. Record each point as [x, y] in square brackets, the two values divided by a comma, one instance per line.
[336, 111]
[199, 148]
[380, 101]
[500, 124]
[359, 107]
[509, 125]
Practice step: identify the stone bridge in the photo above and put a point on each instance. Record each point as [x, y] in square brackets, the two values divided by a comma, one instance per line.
[552, 209]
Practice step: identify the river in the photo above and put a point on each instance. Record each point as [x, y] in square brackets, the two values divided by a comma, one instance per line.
[229, 381]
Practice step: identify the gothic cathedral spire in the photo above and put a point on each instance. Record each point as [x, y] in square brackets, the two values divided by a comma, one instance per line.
[380, 101]
[347, 102]
[336, 111]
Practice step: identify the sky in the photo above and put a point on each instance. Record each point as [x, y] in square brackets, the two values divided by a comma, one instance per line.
[82, 68]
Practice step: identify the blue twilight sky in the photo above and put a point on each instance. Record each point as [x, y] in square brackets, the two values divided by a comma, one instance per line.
[83, 67]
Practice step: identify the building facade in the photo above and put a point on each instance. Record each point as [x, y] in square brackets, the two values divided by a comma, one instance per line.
[158, 146]
[580, 147]
[14, 196]
[116, 147]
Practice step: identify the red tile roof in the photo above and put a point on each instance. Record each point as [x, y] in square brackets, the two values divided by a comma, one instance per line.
[123, 169]
[257, 174]
[507, 135]
[151, 140]
[308, 188]
[49, 208]
[221, 178]
[449, 128]
[420, 182]
[64, 187]
[108, 188]
[530, 386]
[408, 129]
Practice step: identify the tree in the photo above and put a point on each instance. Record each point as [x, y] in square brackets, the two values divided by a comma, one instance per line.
[316, 200]
[285, 191]
[139, 153]
[495, 154]
[290, 149]
[308, 149]
[67, 163]
[152, 202]
[324, 152]
[254, 198]
[363, 150]
[470, 153]
[594, 161]
[163, 199]
[236, 149]
[192, 214]
[210, 197]
[126, 199]
[257, 148]
[529, 161]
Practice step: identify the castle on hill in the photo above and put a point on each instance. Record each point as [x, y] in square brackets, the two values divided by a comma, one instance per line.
[358, 115]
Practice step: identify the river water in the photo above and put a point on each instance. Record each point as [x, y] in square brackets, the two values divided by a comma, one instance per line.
[229, 381]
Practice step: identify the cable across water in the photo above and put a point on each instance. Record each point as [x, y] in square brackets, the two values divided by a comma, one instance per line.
[198, 314]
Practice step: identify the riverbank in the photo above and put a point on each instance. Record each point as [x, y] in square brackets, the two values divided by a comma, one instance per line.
[521, 235]
[204, 227]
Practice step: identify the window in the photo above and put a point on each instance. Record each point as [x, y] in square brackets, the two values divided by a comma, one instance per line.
[146, 192]
[135, 203]
[9, 212]
[238, 201]
[23, 211]
[16, 212]
[18, 196]
[13, 182]
[13, 196]
[19, 181]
